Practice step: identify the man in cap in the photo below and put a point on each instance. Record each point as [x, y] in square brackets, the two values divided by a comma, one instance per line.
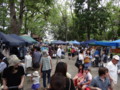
[113, 70]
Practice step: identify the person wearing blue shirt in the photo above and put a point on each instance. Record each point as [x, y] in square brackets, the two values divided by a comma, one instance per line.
[97, 55]
[101, 82]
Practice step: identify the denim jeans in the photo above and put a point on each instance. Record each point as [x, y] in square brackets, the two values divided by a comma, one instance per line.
[46, 74]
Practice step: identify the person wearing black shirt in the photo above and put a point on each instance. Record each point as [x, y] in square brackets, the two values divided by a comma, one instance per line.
[13, 75]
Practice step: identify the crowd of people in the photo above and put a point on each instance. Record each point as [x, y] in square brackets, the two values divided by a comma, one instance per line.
[13, 70]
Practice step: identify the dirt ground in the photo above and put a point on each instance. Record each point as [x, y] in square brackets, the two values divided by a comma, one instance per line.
[71, 69]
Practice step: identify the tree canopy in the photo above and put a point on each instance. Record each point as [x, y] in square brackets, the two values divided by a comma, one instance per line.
[70, 20]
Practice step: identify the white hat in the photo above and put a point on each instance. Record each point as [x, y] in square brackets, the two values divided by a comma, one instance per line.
[13, 60]
[116, 57]
[35, 73]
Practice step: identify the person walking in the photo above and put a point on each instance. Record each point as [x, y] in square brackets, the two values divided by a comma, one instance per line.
[113, 70]
[97, 57]
[81, 57]
[61, 67]
[58, 82]
[36, 57]
[14, 74]
[36, 80]
[45, 67]
[59, 53]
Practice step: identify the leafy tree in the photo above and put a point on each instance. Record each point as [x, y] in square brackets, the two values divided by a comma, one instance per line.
[114, 21]
[90, 18]
[60, 21]
[23, 11]
[3, 16]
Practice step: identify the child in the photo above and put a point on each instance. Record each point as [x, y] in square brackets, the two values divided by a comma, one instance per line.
[35, 78]
[87, 79]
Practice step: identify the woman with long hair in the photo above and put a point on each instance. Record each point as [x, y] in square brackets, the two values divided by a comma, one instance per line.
[62, 68]
[58, 82]
[79, 75]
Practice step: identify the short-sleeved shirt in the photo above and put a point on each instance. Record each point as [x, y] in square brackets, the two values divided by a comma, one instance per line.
[59, 52]
[97, 82]
[45, 61]
[36, 80]
[37, 57]
[13, 79]
[88, 77]
[2, 66]
[113, 71]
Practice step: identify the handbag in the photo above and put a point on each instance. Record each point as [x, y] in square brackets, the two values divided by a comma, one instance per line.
[78, 62]
[86, 60]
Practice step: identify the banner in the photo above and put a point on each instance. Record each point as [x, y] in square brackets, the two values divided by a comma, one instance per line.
[115, 50]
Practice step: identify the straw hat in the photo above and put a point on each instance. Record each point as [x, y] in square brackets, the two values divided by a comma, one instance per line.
[13, 60]
[35, 73]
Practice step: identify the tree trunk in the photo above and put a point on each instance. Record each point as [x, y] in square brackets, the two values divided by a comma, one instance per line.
[21, 14]
[25, 24]
[88, 32]
[13, 20]
[15, 25]
[88, 24]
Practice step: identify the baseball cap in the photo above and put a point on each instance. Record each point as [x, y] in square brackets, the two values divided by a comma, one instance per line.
[116, 57]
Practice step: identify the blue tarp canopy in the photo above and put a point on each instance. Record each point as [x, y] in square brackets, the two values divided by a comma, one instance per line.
[59, 42]
[53, 41]
[21, 39]
[105, 43]
[29, 39]
[74, 42]
[10, 41]
[118, 41]
[88, 42]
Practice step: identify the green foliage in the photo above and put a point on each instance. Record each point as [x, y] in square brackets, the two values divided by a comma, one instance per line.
[3, 16]
[114, 21]
[89, 20]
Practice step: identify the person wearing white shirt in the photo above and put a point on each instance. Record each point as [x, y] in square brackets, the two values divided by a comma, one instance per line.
[81, 57]
[87, 79]
[28, 60]
[36, 80]
[113, 70]
[59, 52]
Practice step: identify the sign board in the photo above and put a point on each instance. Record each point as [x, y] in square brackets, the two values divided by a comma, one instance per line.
[115, 50]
